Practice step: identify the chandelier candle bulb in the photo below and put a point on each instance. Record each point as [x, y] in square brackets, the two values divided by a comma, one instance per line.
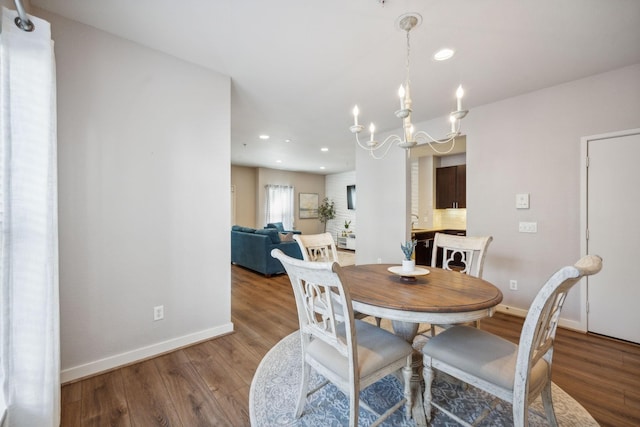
[372, 128]
[459, 95]
[401, 95]
[355, 115]
[453, 123]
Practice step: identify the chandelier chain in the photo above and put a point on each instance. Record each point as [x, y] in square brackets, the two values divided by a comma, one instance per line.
[408, 54]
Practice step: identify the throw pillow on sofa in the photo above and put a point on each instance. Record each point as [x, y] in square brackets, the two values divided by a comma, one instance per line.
[286, 237]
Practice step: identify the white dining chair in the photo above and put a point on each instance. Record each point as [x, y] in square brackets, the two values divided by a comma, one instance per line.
[464, 254]
[321, 248]
[317, 247]
[516, 373]
[348, 352]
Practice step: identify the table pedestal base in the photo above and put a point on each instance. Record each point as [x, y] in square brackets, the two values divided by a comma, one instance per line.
[408, 332]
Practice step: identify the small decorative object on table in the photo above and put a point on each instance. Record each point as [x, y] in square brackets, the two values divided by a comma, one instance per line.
[408, 276]
[408, 264]
[346, 232]
[408, 270]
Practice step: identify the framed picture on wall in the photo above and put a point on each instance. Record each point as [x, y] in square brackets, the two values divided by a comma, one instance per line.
[308, 205]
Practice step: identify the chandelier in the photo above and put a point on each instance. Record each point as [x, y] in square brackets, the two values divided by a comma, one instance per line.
[410, 137]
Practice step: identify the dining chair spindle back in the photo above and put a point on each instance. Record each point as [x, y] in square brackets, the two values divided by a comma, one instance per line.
[348, 352]
[317, 247]
[462, 253]
[516, 373]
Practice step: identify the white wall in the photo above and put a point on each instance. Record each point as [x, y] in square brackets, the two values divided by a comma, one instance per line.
[302, 183]
[527, 144]
[10, 4]
[144, 178]
[336, 190]
[384, 206]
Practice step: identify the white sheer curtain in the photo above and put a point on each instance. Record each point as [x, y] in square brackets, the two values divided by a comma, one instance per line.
[29, 308]
[279, 205]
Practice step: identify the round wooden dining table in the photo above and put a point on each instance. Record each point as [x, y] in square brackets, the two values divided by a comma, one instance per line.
[438, 297]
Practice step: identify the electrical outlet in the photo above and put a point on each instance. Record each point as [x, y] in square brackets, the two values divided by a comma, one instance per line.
[158, 312]
[513, 285]
[379, 260]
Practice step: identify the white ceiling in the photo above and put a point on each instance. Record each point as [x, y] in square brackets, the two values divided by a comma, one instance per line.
[299, 66]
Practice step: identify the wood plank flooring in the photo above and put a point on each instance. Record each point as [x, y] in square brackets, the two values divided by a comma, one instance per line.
[207, 384]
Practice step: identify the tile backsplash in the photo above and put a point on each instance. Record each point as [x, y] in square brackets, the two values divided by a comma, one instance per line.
[450, 219]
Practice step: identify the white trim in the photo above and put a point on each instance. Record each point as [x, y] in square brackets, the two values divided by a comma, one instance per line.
[514, 311]
[92, 368]
[584, 290]
[574, 325]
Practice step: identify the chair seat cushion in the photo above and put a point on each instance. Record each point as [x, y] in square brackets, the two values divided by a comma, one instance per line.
[483, 355]
[376, 348]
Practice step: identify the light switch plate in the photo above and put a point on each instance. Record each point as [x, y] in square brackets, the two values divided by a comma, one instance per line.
[528, 227]
[522, 201]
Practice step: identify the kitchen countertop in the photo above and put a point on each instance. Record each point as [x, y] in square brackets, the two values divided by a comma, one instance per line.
[430, 230]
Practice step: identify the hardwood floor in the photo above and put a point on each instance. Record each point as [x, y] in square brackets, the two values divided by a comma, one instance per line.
[207, 384]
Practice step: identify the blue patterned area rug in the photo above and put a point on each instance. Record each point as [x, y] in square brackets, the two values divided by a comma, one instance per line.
[275, 386]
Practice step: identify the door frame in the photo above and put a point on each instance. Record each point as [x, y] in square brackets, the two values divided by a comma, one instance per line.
[584, 297]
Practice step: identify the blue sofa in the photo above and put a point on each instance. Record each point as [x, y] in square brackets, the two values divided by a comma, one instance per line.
[278, 226]
[251, 248]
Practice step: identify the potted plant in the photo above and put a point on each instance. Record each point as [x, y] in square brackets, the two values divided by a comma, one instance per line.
[326, 211]
[346, 228]
[408, 264]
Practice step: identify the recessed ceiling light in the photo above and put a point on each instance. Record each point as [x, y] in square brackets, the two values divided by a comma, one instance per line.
[443, 54]
[263, 136]
[287, 140]
[324, 149]
[322, 167]
[278, 161]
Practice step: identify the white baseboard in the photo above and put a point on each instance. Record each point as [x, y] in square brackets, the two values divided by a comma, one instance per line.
[139, 354]
[514, 311]
[574, 325]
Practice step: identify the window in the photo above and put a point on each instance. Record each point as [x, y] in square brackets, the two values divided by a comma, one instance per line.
[29, 309]
[279, 205]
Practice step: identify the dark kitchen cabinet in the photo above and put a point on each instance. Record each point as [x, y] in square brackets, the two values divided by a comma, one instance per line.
[424, 246]
[451, 187]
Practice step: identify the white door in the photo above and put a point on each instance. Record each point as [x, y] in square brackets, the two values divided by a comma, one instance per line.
[613, 221]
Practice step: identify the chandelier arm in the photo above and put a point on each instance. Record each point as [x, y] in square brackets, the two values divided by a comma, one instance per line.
[431, 140]
[363, 146]
[428, 139]
[392, 140]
